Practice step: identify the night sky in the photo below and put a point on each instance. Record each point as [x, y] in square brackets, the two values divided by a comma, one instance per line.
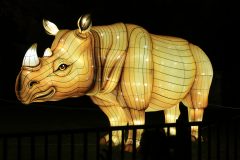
[210, 24]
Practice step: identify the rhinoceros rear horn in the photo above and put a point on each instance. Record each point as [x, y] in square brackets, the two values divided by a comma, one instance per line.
[84, 23]
[47, 53]
[50, 27]
[31, 58]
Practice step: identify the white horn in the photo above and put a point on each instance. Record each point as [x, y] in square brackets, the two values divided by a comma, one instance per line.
[31, 59]
[47, 53]
[50, 27]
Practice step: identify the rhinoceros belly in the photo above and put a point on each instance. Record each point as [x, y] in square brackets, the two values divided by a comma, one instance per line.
[174, 71]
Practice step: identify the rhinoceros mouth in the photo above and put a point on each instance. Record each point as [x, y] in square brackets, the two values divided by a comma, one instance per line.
[44, 96]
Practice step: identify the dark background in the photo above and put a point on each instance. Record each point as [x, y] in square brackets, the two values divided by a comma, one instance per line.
[210, 24]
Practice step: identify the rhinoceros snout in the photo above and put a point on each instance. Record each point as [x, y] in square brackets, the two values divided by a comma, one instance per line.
[19, 85]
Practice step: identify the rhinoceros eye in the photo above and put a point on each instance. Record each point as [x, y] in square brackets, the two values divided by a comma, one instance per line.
[62, 67]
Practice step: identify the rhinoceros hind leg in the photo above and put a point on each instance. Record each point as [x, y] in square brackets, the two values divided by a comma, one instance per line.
[171, 115]
[196, 101]
[197, 98]
[194, 114]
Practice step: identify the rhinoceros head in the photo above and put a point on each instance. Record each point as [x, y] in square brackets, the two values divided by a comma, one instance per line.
[65, 70]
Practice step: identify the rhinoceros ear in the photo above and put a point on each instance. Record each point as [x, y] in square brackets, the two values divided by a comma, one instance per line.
[84, 23]
[50, 27]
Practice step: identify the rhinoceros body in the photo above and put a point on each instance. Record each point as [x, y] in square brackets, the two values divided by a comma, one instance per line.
[124, 69]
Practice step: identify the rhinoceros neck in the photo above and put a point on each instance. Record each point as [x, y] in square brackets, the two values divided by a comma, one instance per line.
[112, 38]
[111, 44]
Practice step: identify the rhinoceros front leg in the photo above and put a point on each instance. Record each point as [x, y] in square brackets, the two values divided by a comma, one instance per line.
[116, 116]
[135, 117]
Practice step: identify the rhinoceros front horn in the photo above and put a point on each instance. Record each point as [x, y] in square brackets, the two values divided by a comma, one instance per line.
[31, 58]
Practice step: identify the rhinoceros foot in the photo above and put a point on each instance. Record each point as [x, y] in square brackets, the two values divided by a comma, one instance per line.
[128, 148]
[105, 140]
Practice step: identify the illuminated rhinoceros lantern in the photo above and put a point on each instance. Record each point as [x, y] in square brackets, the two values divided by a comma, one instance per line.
[124, 69]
